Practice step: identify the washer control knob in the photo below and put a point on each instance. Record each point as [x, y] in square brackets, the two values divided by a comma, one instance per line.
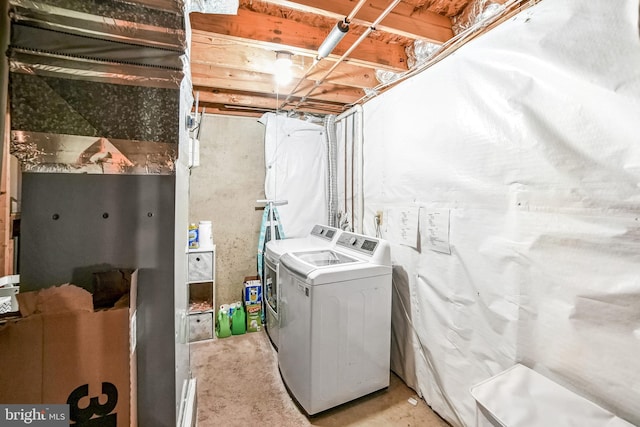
[353, 241]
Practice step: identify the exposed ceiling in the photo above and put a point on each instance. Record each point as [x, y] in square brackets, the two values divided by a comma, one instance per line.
[232, 56]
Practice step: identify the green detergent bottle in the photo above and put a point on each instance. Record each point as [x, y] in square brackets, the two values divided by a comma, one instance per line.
[223, 329]
[238, 325]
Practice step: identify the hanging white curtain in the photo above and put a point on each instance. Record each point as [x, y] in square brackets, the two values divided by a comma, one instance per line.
[296, 162]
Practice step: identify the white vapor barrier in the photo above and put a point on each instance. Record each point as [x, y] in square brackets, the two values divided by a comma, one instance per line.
[296, 161]
[521, 153]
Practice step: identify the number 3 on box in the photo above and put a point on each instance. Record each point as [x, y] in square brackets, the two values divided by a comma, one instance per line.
[82, 416]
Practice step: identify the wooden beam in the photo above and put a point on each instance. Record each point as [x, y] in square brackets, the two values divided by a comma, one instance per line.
[424, 25]
[259, 27]
[224, 53]
[214, 109]
[206, 95]
[6, 246]
[239, 110]
[246, 99]
[246, 81]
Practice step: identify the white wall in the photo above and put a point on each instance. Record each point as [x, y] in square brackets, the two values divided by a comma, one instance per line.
[528, 139]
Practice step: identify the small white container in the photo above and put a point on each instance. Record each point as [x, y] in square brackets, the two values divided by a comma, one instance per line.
[205, 235]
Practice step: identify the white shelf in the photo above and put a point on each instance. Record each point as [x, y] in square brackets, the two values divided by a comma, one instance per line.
[195, 250]
[201, 265]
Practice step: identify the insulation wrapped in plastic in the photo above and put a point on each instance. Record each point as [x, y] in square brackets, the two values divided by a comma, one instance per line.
[95, 85]
[51, 39]
[420, 51]
[384, 76]
[51, 153]
[119, 21]
[370, 92]
[477, 11]
[222, 7]
[60, 106]
[57, 66]
[417, 54]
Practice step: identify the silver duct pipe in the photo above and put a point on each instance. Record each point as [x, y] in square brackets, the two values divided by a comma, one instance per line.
[332, 162]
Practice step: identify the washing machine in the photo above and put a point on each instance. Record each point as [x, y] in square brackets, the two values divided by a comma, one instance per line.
[335, 321]
[320, 236]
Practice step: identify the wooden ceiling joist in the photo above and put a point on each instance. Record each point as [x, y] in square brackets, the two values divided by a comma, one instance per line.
[232, 57]
[211, 50]
[247, 81]
[402, 20]
[257, 100]
[261, 28]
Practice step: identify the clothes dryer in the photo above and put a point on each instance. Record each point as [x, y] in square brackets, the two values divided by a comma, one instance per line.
[335, 321]
[320, 236]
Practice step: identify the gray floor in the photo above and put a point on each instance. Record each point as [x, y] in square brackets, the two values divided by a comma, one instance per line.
[239, 385]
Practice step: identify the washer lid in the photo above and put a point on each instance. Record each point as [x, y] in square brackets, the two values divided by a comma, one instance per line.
[304, 263]
[324, 258]
[274, 249]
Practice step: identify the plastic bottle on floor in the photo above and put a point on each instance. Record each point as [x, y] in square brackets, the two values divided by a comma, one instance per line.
[238, 326]
[223, 328]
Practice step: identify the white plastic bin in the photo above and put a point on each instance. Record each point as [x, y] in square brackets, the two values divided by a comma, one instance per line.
[205, 235]
[520, 397]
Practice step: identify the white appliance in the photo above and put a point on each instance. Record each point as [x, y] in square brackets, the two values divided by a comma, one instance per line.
[335, 321]
[319, 237]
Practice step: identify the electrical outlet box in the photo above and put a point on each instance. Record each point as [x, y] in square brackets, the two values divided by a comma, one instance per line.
[379, 217]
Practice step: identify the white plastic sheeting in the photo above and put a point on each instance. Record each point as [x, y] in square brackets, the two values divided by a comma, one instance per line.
[528, 137]
[296, 163]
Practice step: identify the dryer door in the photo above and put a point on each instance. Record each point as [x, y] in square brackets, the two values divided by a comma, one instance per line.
[271, 284]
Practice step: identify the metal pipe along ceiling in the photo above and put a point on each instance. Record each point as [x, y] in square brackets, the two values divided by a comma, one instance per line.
[354, 11]
[319, 58]
[360, 39]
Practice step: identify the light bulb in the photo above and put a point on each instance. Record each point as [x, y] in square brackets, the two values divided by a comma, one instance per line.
[282, 70]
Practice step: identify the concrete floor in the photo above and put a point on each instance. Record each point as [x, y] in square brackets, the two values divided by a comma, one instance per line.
[239, 384]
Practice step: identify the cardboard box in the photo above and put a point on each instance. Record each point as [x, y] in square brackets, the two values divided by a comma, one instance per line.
[254, 317]
[252, 290]
[62, 351]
